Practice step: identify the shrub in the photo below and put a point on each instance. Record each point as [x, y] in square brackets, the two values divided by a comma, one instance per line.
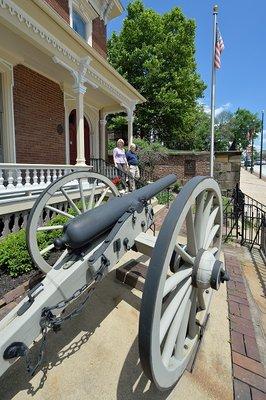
[176, 187]
[151, 156]
[14, 256]
[111, 145]
[165, 197]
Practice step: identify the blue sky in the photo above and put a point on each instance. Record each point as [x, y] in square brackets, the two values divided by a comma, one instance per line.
[241, 81]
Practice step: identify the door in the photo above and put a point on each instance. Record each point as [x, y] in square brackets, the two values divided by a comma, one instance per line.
[73, 138]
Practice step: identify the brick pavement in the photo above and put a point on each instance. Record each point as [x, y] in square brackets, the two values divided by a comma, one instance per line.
[248, 371]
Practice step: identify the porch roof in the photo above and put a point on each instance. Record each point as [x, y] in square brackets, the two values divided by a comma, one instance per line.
[39, 34]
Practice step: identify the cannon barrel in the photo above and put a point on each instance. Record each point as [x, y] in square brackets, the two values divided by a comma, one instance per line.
[84, 228]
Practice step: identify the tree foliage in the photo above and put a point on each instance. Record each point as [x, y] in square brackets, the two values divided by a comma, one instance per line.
[242, 122]
[231, 129]
[156, 54]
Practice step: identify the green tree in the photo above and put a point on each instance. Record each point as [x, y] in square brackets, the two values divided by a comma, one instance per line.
[156, 54]
[242, 122]
[202, 130]
[222, 131]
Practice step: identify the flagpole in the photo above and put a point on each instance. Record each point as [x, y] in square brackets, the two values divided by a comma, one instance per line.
[213, 89]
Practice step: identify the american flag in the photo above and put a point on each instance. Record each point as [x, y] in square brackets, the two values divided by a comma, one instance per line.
[219, 47]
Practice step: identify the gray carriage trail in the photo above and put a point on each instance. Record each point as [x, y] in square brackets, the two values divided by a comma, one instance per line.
[95, 356]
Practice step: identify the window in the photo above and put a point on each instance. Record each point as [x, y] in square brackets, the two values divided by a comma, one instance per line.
[79, 25]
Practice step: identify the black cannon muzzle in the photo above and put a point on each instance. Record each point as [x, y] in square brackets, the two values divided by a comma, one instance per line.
[80, 231]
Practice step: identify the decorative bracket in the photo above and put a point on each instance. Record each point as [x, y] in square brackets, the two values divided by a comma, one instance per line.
[80, 74]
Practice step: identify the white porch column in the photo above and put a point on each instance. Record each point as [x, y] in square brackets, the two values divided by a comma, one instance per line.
[80, 90]
[9, 142]
[130, 108]
[103, 136]
[130, 120]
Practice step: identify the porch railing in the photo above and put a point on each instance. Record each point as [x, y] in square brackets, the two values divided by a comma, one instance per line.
[22, 179]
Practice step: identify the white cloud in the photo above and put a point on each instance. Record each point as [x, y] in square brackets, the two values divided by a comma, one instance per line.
[218, 110]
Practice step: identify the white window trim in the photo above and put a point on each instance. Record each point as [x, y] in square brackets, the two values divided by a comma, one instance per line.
[78, 7]
[9, 143]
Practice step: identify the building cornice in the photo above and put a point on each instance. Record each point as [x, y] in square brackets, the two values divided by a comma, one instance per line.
[34, 27]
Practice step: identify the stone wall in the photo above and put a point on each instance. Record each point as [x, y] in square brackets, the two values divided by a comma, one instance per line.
[227, 169]
[186, 164]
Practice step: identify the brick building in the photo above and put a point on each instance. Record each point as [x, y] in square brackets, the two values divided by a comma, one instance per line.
[56, 87]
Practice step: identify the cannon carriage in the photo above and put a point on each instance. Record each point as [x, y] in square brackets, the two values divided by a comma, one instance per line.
[95, 234]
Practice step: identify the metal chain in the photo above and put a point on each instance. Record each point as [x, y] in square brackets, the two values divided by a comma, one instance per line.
[49, 320]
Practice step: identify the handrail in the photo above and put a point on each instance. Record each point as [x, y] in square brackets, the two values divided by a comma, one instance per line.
[100, 162]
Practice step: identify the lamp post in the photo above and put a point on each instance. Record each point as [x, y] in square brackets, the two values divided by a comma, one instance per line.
[252, 152]
[261, 142]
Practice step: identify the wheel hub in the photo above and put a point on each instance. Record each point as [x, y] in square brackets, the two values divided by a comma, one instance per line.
[207, 271]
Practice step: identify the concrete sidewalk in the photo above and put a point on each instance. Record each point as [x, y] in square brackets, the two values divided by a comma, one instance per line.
[95, 356]
[254, 187]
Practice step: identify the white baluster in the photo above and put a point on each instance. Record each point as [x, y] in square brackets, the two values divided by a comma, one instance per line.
[27, 178]
[6, 220]
[60, 173]
[25, 218]
[42, 184]
[16, 225]
[19, 179]
[35, 178]
[48, 176]
[10, 180]
[2, 186]
[54, 175]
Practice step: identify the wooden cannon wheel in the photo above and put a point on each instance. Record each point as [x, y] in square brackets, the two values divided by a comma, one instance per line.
[178, 286]
[70, 188]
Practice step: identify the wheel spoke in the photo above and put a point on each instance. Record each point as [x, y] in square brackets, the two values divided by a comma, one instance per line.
[70, 201]
[214, 250]
[209, 224]
[182, 334]
[208, 207]
[175, 329]
[92, 194]
[201, 300]
[192, 327]
[49, 228]
[186, 257]
[63, 255]
[46, 249]
[172, 309]
[211, 236]
[59, 211]
[82, 195]
[199, 228]
[192, 247]
[102, 197]
[175, 279]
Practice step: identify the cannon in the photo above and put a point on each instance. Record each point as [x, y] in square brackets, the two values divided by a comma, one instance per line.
[90, 235]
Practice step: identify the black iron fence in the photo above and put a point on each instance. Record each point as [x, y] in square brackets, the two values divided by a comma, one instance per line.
[245, 220]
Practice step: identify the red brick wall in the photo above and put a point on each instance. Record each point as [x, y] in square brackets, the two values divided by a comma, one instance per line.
[61, 7]
[175, 164]
[99, 36]
[38, 110]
